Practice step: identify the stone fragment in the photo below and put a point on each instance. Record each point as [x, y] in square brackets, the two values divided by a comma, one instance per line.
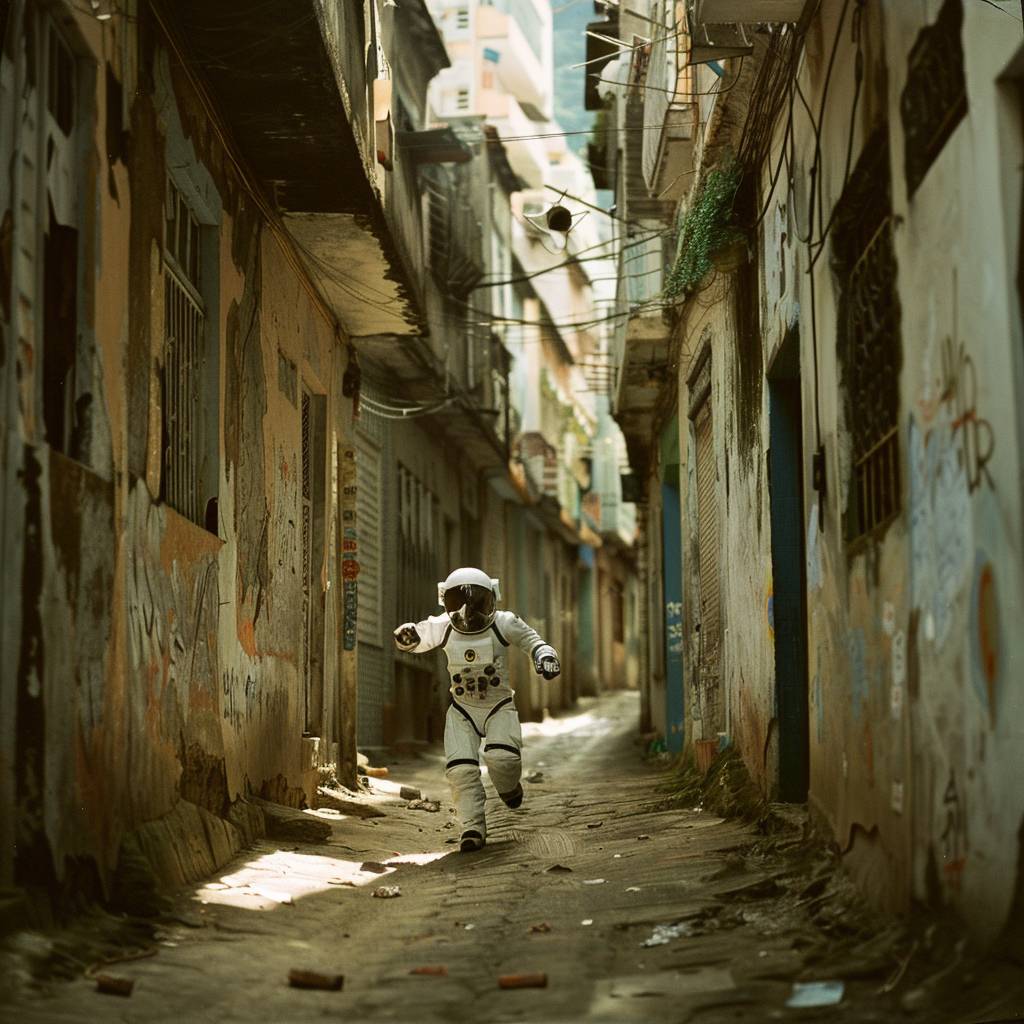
[387, 892]
[535, 979]
[299, 978]
[424, 805]
[111, 985]
[337, 801]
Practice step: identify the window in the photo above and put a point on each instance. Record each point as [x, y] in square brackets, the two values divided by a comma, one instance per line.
[462, 99]
[368, 518]
[934, 100]
[869, 341]
[419, 522]
[618, 614]
[185, 360]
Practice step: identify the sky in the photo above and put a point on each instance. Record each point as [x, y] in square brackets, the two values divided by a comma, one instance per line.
[571, 18]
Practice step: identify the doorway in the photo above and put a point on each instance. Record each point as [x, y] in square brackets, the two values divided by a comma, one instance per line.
[672, 587]
[789, 605]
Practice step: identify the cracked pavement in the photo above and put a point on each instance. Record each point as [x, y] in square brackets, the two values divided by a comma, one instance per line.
[636, 910]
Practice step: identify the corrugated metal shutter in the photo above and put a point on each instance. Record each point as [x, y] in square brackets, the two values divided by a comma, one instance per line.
[707, 536]
[368, 516]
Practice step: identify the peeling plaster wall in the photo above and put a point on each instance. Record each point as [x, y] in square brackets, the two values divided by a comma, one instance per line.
[156, 659]
[916, 723]
[744, 705]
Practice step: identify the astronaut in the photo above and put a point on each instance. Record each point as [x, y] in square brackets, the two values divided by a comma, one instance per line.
[474, 636]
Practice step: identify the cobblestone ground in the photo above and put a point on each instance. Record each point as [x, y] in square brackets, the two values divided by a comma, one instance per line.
[633, 909]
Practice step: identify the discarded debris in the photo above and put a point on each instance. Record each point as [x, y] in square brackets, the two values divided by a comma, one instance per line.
[376, 773]
[534, 777]
[536, 979]
[424, 805]
[643, 836]
[287, 823]
[409, 793]
[633, 888]
[387, 892]
[433, 970]
[557, 869]
[470, 927]
[299, 978]
[594, 824]
[587, 922]
[542, 927]
[336, 800]
[663, 934]
[111, 985]
[808, 994]
[593, 881]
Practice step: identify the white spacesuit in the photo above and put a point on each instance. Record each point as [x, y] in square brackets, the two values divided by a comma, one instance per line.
[474, 636]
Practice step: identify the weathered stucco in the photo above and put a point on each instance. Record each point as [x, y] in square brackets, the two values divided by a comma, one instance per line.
[160, 659]
[915, 718]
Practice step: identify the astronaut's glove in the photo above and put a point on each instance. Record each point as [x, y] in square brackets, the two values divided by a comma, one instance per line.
[545, 662]
[406, 637]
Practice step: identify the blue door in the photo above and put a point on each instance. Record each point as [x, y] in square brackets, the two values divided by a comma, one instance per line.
[789, 610]
[672, 587]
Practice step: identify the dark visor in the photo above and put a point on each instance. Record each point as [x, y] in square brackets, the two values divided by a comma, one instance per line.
[470, 607]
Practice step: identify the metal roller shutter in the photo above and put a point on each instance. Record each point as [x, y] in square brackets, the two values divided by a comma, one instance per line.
[707, 536]
[368, 516]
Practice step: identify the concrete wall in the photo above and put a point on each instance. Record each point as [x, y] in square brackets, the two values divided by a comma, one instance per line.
[915, 722]
[153, 659]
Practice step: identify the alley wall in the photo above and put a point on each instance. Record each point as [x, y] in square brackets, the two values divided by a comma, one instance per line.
[914, 723]
[160, 654]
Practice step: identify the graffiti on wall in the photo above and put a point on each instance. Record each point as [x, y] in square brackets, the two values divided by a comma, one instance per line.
[242, 696]
[986, 635]
[349, 549]
[972, 431]
[954, 834]
[940, 527]
[674, 628]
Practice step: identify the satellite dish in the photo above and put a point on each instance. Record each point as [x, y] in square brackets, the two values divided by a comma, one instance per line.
[556, 222]
[559, 219]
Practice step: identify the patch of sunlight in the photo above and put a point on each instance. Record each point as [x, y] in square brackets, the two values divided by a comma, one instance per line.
[282, 877]
[416, 858]
[587, 723]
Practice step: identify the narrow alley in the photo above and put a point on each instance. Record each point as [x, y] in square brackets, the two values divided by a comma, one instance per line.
[632, 906]
[512, 509]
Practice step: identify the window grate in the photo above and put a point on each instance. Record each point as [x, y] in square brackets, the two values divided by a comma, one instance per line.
[184, 326]
[307, 554]
[869, 338]
[934, 100]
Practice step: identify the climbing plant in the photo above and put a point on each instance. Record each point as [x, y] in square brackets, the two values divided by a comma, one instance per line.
[704, 229]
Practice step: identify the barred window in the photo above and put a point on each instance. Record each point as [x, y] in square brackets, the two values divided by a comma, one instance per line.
[184, 357]
[934, 100]
[870, 354]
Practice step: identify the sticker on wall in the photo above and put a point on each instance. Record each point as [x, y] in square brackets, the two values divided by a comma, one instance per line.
[897, 797]
[889, 618]
[899, 674]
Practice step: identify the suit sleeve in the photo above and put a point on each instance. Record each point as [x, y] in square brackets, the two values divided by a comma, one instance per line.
[432, 633]
[523, 635]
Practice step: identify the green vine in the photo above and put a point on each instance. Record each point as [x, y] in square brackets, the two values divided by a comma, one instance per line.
[705, 228]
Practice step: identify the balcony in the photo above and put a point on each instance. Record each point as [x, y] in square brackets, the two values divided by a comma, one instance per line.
[668, 102]
[291, 78]
[717, 26]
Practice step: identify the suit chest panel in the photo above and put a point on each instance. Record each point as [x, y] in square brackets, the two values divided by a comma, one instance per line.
[466, 652]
